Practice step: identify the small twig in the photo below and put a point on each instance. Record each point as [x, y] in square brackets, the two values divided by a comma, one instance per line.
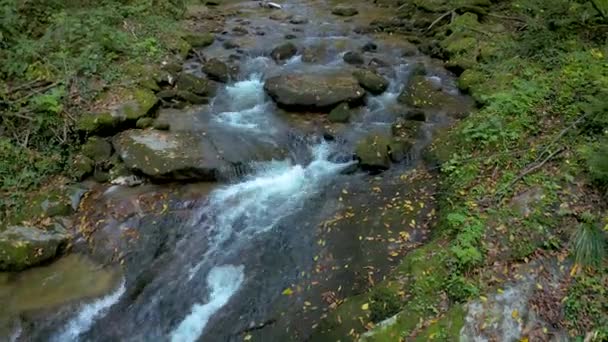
[529, 170]
[18, 115]
[441, 17]
[562, 133]
[200, 57]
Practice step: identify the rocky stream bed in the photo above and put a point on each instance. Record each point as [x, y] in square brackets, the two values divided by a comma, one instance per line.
[280, 173]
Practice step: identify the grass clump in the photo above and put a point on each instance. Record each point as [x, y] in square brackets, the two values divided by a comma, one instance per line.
[589, 242]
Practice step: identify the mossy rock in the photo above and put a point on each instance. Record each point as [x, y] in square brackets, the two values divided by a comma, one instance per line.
[150, 84]
[422, 93]
[340, 113]
[371, 81]
[344, 11]
[144, 123]
[217, 70]
[98, 123]
[447, 328]
[81, 167]
[97, 149]
[192, 83]
[373, 152]
[199, 40]
[180, 46]
[142, 103]
[284, 51]
[23, 247]
[469, 79]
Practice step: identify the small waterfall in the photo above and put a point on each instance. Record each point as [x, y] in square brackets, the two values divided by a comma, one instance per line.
[223, 282]
[87, 315]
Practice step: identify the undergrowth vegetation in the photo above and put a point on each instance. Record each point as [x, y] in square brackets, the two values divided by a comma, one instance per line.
[55, 57]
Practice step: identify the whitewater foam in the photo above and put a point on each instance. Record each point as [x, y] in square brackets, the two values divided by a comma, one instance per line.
[87, 315]
[223, 282]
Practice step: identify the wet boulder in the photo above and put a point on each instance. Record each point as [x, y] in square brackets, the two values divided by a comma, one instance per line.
[194, 84]
[167, 155]
[340, 113]
[298, 20]
[317, 53]
[313, 92]
[373, 152]
[376, 151]
[284, 51]
[199, 40]
[22, 247]
[217, 70]
[422, 93]
[353, 57]
[344, 11]
[371, 81]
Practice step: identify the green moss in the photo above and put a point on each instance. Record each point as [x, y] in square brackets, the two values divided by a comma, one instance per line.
[469, 79]
[144, 101]
[340, 113]
[97, 124]
[447, 328]
[199, 40]
[97, 149]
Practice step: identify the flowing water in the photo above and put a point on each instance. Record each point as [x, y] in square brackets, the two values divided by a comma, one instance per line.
[224, 269]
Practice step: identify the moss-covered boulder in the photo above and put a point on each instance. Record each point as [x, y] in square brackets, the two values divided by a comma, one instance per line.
[97, 149]
[193, 84]
[371, 81]
[303, 92]
[373, 152]
[344, 11]
[284, 51]
[141, 103]
[167, 155]
[340, 113]
[421, 92]
[353, 57]
[469, 79]
[22, 247]
[217, 70]
[81, 166]
[144, 123]
[98, 123]
[199, 40]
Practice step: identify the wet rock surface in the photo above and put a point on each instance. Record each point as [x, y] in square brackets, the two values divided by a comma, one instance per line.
[302, 92]
[22, 247]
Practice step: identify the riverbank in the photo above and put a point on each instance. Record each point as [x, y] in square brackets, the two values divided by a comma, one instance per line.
[521, 180]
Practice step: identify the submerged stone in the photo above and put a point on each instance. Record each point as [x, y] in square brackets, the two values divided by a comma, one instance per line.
[352, 57]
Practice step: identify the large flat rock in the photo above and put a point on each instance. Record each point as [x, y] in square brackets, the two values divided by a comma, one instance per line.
[313, 92]
[191, 155]
[168, 155]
